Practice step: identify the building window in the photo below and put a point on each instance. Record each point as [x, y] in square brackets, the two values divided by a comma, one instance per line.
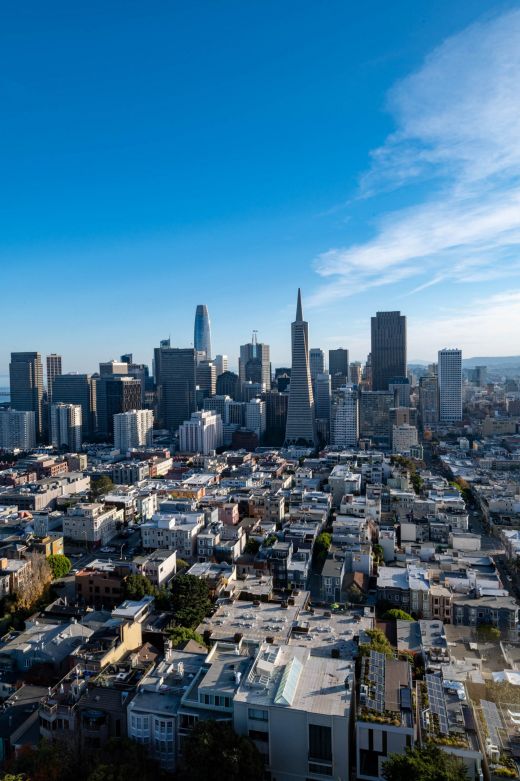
[258, 715]
[320, 742]
[322, 770]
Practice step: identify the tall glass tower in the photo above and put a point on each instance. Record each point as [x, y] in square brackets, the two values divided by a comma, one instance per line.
[300, 429]
[202, 332]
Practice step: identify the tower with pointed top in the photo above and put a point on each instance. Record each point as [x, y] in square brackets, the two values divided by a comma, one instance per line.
[300, 428]
[202, 331]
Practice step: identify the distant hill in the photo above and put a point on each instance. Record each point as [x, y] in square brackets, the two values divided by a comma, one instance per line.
[505, 360]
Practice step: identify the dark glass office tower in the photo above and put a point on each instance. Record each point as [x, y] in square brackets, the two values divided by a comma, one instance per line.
[26, 381]
[338, 367]
[175, 375]
[115, 394]
[300, 429]
[388, 348]
[78, 389]
[202, 331]
[53, 370]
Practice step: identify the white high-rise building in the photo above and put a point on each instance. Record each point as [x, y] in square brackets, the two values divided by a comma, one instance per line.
[404, 438]
[133, 429]
[255, 417]
[17, 429]
[66, 423]
[221, 363]
[450, 385]
[344, 423]
[202, 433]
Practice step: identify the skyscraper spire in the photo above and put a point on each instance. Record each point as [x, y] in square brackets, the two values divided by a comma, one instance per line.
[299, 310]
[300, 429]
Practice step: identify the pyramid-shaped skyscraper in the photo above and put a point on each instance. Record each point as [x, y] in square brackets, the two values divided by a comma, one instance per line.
[300, 429]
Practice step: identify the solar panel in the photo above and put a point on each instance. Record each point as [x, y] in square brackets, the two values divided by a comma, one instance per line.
[437, 701]
[493, 721]
[376, 677]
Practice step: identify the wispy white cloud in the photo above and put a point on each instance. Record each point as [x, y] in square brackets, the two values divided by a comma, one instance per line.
[457, 130]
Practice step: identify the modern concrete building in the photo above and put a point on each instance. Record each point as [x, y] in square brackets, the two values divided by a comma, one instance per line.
[301, 427]
[66, 426]
[173, 532]
[289, 691]
[385, 718]
[133, 429]
[202, 433]
[255, 417]
[450, 385]
[202, 331]
[26, 383]
[404, 438]
[429, 401]
[388, 348]
[345, 418]
[206, 377]
[374, 416]
[53, 370]
[17, 430]
[221, 364]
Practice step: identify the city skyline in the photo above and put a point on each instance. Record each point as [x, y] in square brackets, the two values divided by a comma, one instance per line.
[324, 167]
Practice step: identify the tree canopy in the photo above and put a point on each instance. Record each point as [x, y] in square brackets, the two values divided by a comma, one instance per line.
[60, 565]
[100, 485]
[213, 750]
[378, 642]
[397, 615]
[190, 600]
[180, 635]
[429, 763]
[487, 633]
[321, 548]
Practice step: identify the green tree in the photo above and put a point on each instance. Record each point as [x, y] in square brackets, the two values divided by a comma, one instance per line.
[190, 600]
[252, 547]
[100, 485]
[321, 548]
[397, 615]
[182, 565]
[379, 553]
[378, 642]
[47, 762]
[429, 763]
[121, 759]
[138, 586]
[487, 633]
[60, 565]
[214, 751]
[180, 635]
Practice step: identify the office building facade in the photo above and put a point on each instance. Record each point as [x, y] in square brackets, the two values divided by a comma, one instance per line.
[115, 394]
[17, 429]
[202, 433]
[388, 334]
[54, 369]
[26, 383]
[66, 426]
[175, 371]
[450, 385]
[344, 424]
[254, 364]
[78, 389]
[133, 429]
[338, 367]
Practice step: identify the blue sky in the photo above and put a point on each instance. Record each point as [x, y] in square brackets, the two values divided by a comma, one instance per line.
[162, 154]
